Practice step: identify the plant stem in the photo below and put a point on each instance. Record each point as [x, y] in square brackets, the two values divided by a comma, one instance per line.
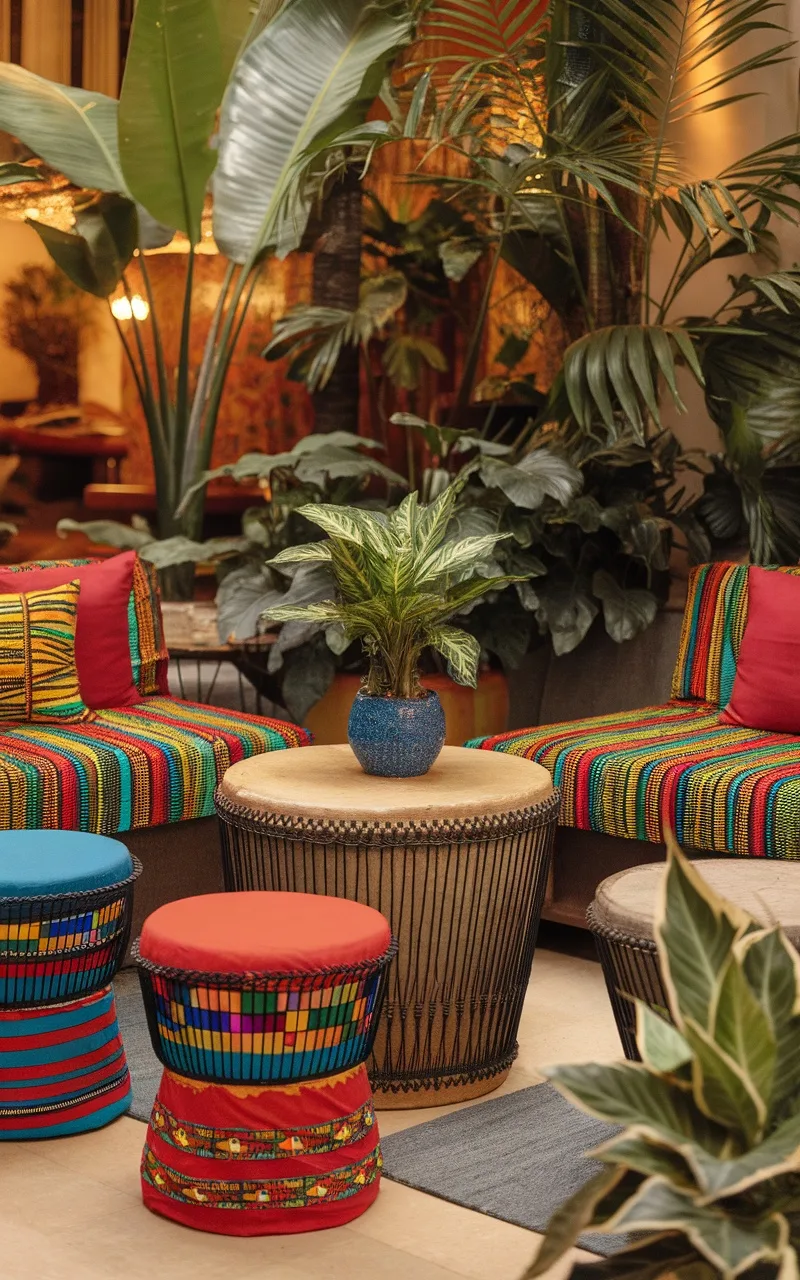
[190, 471]
[474, 349]
[184, 350]
[158, 348]
[155, 424]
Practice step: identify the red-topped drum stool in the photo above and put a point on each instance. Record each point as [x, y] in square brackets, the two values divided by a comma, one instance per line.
[263, 1008]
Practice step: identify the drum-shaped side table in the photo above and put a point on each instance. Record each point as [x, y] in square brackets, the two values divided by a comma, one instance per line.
[622, 919]
[458, 863]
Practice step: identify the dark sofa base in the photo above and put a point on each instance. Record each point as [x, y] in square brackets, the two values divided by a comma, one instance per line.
[581, 860]
[178, 860]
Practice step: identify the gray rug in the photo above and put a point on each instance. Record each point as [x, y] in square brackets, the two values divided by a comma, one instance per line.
[144, 1065]
[516, 1158]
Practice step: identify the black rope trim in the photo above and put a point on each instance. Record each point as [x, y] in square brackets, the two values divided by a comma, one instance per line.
[444, 1079]
[79, 898]
[372, 834]
[244, 981]
[616, 936]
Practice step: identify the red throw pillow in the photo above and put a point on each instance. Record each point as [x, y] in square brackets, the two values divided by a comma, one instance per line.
[766, 691]
[102, 646]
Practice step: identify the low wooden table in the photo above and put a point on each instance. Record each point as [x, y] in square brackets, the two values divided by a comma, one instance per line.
[457, 861]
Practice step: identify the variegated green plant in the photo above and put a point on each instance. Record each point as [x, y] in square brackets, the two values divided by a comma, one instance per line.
[399, 577]
[707, 1165]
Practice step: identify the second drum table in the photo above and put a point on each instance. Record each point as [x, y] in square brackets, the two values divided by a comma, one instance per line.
[457, 861]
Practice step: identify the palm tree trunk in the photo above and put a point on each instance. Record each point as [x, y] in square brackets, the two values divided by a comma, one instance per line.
[336, 283]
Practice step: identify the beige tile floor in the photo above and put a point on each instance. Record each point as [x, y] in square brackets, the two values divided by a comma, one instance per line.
[71, 1207]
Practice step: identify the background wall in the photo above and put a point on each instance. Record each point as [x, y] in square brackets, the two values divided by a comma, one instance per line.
[710, 143]
[100, 362]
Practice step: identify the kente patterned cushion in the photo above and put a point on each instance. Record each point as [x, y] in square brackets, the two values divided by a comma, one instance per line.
[713, 625]
[149, 654]
[102, 640]
[153, 763]
[721, 789]
[38, 675]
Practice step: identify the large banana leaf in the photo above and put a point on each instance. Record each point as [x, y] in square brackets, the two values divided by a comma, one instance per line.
[170, 95]
[73, 130]
[292, 88]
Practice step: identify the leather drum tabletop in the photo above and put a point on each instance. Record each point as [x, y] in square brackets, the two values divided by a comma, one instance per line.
[328, 783]
[767, 889]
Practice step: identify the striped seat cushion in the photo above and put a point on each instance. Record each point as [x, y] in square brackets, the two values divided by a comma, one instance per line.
[637, 774]
[156, 762]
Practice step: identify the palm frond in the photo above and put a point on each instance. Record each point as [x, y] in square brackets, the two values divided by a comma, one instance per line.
[624, 366]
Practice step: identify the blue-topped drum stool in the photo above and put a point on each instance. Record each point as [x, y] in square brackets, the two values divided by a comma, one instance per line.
[65, 915]
[263, 1008]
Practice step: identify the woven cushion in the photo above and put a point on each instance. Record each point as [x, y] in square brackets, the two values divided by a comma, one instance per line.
[38, 675]
[263, 932]
[33, 863]
[102, 645]
[637, 773]
[157, 762]
[149, 653]
[768, 891]
[713, 625]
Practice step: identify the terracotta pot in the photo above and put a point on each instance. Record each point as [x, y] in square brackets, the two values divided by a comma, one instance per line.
[469, 713]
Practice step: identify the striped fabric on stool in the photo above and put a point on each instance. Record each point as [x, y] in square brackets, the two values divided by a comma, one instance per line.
[62, 1068]
[263, 1008]
[65, 915]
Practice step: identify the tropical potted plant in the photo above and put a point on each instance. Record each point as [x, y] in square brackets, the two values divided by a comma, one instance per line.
[280, 91]
[706, 1169]
[562, 114]
[398, 580]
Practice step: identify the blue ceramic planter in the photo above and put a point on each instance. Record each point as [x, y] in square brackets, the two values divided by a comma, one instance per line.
[396, 737]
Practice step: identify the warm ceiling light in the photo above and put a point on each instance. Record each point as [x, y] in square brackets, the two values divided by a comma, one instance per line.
[134, 308]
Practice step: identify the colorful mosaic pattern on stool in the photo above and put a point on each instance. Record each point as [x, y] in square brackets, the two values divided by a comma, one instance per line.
[62, 1069]
[316, 1166]
[721, 789]
[156, 762]
[65, 910]
[287, 1033]
[263, 1123]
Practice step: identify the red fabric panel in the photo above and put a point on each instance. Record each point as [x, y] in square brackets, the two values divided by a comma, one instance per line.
[102, 646]
[277, 932]
[766, 691]
[228, 1109]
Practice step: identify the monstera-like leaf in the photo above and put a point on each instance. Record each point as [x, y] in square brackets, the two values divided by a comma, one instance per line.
[303, 82]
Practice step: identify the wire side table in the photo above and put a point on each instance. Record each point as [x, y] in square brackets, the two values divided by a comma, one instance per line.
[458, 863]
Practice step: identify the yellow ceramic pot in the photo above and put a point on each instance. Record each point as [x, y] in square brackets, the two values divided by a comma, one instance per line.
[469, 713]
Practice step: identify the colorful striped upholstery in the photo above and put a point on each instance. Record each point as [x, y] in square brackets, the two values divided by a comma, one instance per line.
[156, 762]
[149, 653]
[62, 1069]
[638, 773]
[713, 626]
